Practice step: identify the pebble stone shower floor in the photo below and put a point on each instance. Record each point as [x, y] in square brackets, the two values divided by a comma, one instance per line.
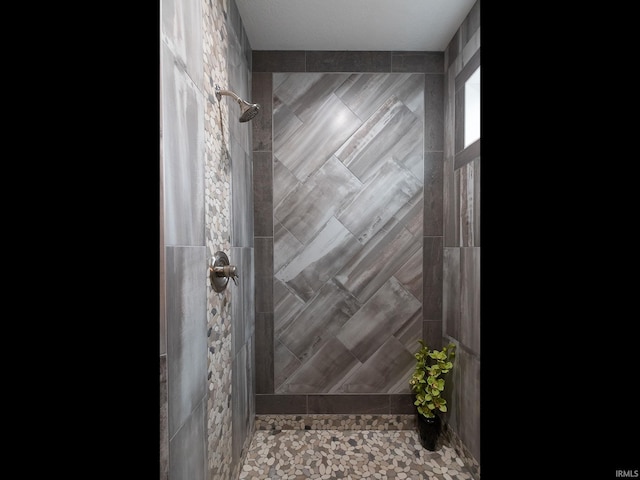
[348, 454]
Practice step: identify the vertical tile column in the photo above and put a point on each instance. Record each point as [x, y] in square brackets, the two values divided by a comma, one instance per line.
[461, 266]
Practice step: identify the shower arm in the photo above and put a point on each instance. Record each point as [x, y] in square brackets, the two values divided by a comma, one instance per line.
[219, 94]
[247, 110]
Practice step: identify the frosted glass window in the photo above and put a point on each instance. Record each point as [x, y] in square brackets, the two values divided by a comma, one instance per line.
[472, 108]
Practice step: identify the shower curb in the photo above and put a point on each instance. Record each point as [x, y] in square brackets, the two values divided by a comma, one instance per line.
[335, 422]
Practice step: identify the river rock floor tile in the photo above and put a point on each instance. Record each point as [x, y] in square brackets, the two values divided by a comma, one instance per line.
[348, 454]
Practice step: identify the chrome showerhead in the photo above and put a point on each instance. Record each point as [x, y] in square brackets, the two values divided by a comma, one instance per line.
[247, 110]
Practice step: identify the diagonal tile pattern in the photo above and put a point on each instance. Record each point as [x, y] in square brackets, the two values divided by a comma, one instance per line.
[348, 155]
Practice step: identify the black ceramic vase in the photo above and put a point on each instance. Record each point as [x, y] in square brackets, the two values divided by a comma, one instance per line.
[429, 431]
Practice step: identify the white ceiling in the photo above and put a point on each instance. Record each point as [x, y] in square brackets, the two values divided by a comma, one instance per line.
[397, 25]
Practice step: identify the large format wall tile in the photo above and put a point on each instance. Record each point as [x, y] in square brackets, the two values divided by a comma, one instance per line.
[319, 261]
[348, 210]
[241, 197]
[305, 335]
[187, 452]
[311, 204]
[384, 314]
[182, 31]
[183, 155]
[186, 331]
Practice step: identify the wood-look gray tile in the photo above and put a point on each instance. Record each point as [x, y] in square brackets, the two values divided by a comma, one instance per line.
[311, 310]
[410, 273]
[315, 141]
[450, 202]
[379, 200]
[387, 370]
[451, 296]
[182, 25]
[305, 93]
[283, 181]
[305, 273]
[183, 156]
[470, 299]
[321, 319]
[409, 334]
[384, 314]
[410, 215]
[186, 332]
[306, 209]
[286, 363]
[287, 305]
[242, 299]
[392, 131]
[325, 371]
[371, 267]
[467, 205]
[470, 410]
[365, 93]
[241, 197]
[241, 398]
[476, 202]
[286, 246]
[187, 447]
[409, 153]
[285, 123]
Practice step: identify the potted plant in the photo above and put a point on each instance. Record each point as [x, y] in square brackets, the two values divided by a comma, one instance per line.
[427, 383]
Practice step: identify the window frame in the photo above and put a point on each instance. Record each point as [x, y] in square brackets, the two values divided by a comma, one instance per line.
[464, 155]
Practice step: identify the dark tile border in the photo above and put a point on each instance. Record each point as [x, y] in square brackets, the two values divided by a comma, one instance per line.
[274, 61]
[382, 404]
[326, 61]
[335, 422]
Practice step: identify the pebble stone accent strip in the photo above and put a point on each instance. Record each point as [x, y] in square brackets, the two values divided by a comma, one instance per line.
[335, 422]
[348, 454]
[218, 237]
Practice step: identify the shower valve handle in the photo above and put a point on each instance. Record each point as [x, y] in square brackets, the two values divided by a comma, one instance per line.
[220, 272]
[230, 271]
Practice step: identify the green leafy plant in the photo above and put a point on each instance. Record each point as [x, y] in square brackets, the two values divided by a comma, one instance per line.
[427, 381]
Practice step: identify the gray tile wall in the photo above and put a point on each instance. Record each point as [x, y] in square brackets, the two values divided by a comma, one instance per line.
[186, 356]
[461, 266]
[183, 262]
[340, 258]
[207, 339]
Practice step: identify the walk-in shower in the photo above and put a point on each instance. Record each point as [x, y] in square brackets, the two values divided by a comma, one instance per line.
[247, 110]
